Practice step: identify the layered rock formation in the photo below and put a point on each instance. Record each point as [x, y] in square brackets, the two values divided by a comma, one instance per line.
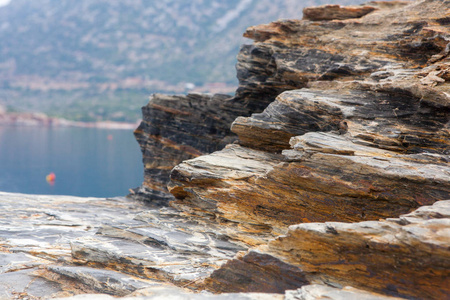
[62, 246]
[177, 128]
[335, 182]
[367, 138]
[406, 257]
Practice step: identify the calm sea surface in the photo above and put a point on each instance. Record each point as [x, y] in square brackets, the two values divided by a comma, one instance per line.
[85, 161]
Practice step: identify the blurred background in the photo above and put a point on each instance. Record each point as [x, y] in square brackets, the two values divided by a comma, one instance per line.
[93, 60]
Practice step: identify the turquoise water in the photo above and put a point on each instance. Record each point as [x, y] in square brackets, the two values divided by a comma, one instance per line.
[86, 161]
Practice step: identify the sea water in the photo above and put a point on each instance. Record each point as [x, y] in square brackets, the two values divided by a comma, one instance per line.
[85, 161]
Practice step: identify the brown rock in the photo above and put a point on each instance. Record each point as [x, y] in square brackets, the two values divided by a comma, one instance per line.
[331, 178]
[342, 120]
[256, 272]
[407, 256]
[370, 134]
[335, 12]
[380, 52]
[176, 128]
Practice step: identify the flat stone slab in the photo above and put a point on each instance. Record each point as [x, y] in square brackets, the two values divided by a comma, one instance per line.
[54, 246]
[24, 283]
[317, 291]
[105, 281]
[308, 292]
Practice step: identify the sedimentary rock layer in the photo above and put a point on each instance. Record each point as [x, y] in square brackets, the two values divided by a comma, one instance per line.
[357, 128]
[54, 246]
[403, 257]
[407, 256]
[368, 136]
[395, 51]
[176, 128]
[354, 183]
[357, 154]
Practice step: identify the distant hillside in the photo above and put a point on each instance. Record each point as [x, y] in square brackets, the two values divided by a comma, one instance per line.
[99, 59]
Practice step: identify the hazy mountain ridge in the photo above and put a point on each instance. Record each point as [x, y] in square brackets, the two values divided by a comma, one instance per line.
[145, 46]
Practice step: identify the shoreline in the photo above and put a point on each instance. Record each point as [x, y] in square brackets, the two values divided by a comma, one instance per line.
[40, 119]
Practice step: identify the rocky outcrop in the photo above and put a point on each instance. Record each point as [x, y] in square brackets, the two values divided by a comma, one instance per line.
[335, 182]
[357, 128]
[61, 246]
[366, 138]
[406, 257]
[177, 128]
[388, 66]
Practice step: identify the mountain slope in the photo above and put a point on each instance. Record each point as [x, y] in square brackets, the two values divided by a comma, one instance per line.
[145, 46]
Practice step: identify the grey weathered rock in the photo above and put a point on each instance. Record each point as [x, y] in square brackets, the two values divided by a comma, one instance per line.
[177, 294]
[105, 281]
[60, 245]
[55, 246]
[316, 291]
[308, 292]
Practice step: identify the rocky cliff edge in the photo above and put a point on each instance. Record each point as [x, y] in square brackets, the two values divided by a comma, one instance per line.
[325, 176]
[340, 117]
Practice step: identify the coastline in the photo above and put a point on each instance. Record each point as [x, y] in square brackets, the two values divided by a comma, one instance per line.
[40, 119]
